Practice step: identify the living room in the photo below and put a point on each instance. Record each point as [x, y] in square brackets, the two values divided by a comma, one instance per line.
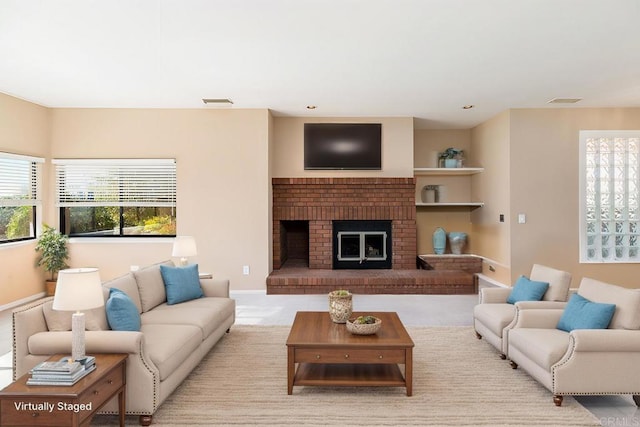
[227, 158]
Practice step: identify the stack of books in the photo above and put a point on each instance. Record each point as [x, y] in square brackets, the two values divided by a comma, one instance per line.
[63, 372]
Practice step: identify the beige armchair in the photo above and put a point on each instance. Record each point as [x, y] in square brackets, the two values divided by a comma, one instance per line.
[583, 361]
[493, 317]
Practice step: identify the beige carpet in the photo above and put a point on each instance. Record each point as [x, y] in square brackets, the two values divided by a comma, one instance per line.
[458, 380]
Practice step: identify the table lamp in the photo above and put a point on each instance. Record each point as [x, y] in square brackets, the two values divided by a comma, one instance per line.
[183, 247]
[78, 289]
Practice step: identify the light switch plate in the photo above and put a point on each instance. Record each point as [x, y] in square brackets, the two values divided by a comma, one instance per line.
[522, 218]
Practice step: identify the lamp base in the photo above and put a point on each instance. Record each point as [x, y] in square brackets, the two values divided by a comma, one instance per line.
[77, 336]
[183, 262]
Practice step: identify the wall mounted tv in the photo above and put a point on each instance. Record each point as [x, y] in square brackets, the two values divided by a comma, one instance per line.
[349, 146]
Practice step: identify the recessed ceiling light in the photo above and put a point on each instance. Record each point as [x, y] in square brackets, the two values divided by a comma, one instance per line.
[564, 100]
[311, 107]
[223, 102]
[467, 107]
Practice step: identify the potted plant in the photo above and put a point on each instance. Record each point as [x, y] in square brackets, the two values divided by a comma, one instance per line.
[52, 247]
[451, 156]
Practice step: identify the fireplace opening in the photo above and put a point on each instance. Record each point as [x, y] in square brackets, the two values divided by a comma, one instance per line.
[294, 249]
[362, 245]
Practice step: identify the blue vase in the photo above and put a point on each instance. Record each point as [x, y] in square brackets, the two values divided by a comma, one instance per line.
[450, 163]
[439, 241]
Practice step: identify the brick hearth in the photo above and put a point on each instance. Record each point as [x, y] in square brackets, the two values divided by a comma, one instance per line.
[323, 200]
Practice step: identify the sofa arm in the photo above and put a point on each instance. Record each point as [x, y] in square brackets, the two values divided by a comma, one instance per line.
[27, 321]
[543, 318]
[215, 287]
[494, 295]
[606, 340]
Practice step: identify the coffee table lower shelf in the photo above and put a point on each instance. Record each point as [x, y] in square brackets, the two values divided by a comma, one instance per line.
[349, 375]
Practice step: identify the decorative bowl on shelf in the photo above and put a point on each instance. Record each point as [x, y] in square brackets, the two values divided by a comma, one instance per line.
[364, 325]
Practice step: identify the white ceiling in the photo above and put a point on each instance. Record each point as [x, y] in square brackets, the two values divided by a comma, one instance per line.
[350, 58]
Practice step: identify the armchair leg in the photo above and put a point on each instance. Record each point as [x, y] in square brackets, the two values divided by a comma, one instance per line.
[513, 364]
[478, 336]
[636, 399]
[145, 420]
[503, 356]
[557, 400]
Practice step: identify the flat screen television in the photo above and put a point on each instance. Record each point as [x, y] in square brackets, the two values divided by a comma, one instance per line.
[348, 146]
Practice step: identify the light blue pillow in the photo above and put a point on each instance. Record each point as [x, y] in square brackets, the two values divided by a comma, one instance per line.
[181, 283]
[122, 313]
[580, 313]
[527, 290]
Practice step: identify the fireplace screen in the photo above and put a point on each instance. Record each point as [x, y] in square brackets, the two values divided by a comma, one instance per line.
[362, 246]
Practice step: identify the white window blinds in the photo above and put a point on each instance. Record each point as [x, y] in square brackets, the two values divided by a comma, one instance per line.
[20, 178]
[115, 182]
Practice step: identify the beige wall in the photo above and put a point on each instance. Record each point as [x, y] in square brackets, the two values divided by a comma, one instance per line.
[491, 149]
[24, 129]
[544, 186]
[288, 147]
[223, 184]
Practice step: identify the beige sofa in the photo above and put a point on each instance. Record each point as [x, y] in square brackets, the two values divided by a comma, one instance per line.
[493, 317]
[171, 342]
[583, 361]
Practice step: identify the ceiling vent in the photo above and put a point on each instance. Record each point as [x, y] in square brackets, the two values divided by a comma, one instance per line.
[564, 100]
[218, 102]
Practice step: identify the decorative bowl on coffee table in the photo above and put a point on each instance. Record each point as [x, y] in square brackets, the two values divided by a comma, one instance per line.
[371, 326]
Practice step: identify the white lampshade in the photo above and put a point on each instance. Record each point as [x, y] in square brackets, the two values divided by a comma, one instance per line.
[183, 247]
[78, 289]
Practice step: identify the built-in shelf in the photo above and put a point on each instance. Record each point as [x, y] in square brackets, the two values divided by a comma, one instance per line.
[447, 171]
[463, 204]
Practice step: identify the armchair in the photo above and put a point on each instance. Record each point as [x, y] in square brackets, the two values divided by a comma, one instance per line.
[493, 317]
[582, 361]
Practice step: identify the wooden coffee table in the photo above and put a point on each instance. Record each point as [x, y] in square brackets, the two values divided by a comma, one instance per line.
[38, 405]
[326, 354]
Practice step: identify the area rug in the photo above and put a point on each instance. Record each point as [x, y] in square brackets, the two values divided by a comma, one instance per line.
[458, 381]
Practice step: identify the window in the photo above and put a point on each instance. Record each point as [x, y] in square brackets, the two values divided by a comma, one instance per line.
[20, 188]
[116, 197]
[609, 196]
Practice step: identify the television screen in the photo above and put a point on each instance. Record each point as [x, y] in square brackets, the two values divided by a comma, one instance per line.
[343, 146]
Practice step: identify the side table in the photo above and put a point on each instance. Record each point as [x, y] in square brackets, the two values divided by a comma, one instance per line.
[23, 405]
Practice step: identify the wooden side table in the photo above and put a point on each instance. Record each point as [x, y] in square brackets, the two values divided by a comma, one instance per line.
[23, 405]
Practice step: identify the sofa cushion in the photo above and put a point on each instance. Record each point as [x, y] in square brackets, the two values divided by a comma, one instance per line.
[181, 283]
[496, 317]
[527, 290]
[206, 313]
[627, 301]
[559, 282]
[545, 347]
[95, 319]
[580, 313]
[122, 313]
[168, 346]
[129, 286]
[151, 286]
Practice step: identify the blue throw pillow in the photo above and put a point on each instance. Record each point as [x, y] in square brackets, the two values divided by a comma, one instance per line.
[181, 283]
[122, 313]
[580, 313]
[527, 290]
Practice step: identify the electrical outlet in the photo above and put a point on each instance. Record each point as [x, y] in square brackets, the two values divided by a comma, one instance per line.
[245, 270]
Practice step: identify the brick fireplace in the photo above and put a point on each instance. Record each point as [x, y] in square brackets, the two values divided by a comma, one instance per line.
[304, 210]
